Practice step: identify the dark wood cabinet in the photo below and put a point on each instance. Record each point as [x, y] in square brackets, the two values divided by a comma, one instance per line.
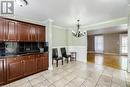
[41, 33]
[33, 33]
[45, 61]
[14, 68]
[23, 30]
[29, 65]
[2, 72]
[40, 63]
[11, 30]
[2, 28]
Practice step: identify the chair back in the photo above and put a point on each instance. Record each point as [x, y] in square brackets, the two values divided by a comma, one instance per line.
[54, 53]
[63, 52]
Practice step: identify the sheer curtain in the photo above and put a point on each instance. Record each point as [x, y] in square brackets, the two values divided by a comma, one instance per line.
[99, 44]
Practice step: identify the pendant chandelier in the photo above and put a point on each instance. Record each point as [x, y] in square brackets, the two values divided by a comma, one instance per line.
[78, 33]
[22, 2]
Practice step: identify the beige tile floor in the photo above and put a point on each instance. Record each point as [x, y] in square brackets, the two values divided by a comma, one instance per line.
[76, 74]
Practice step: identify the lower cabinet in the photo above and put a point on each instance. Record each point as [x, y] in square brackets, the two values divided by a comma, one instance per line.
[14, 68]
[45, 61]
[2, 72]
[40, 63]
[30, 65]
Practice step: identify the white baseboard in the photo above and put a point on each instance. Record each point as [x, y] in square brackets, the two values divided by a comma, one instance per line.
[50, 68]
[90, 52]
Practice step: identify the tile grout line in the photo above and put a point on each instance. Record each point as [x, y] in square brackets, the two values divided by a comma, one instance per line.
[99, 78]
[112, 79]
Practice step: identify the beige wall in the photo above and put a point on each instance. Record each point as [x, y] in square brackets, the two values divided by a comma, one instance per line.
[111, 43]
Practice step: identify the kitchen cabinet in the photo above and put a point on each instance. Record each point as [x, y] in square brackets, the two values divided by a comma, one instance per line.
[2, 72]
[41, 33]
[14, 68]
[33, 33]
[30, 65]
[2, 27]
[45, 55]
[11, 30]
[23, 31]
[40, 63]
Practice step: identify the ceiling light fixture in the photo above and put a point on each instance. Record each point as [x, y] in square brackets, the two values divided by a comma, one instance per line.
[22, 2]
[78, 33]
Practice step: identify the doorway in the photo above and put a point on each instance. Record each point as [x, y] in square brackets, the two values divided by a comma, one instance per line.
[108, 47]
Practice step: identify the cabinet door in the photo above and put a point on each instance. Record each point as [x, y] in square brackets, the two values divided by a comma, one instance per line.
[2, 72]
[41, 33]
[29, 65]
[45, 61]
[11, 30]
[40, 63]
[23, 30]
[2, 27]
[14, 68]
[33, 33]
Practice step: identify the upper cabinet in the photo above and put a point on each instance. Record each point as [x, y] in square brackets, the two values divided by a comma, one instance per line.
[33, 33]
[41, 33]
[2, 27]
[11, 30]
[23, 31]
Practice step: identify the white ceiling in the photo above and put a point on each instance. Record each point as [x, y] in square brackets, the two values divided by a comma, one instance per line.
[66, 12]
[113, 29]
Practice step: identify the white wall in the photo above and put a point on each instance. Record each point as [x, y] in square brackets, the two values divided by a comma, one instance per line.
[78, 45]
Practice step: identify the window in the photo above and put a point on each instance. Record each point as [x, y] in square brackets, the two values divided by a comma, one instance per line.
[123, 43]
[99, 44]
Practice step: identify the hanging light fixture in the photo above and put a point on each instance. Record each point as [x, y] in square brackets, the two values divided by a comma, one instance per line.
[78, 33]
[22, 2]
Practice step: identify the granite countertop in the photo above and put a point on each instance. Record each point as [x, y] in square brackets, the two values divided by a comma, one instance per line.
[21, 54]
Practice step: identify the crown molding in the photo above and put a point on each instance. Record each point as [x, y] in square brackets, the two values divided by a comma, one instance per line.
[22, 19]
[108, 23]
[59, 27]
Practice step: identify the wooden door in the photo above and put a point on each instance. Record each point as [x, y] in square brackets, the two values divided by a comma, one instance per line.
[11, 30]
[29, 65]
[40, 62]
[2, 72]
[23, 30]
[14, 68]
[2, 27]
[41, 33]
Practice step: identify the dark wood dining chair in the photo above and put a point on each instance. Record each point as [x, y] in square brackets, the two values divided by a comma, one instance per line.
[56, 57]
[64, 54]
